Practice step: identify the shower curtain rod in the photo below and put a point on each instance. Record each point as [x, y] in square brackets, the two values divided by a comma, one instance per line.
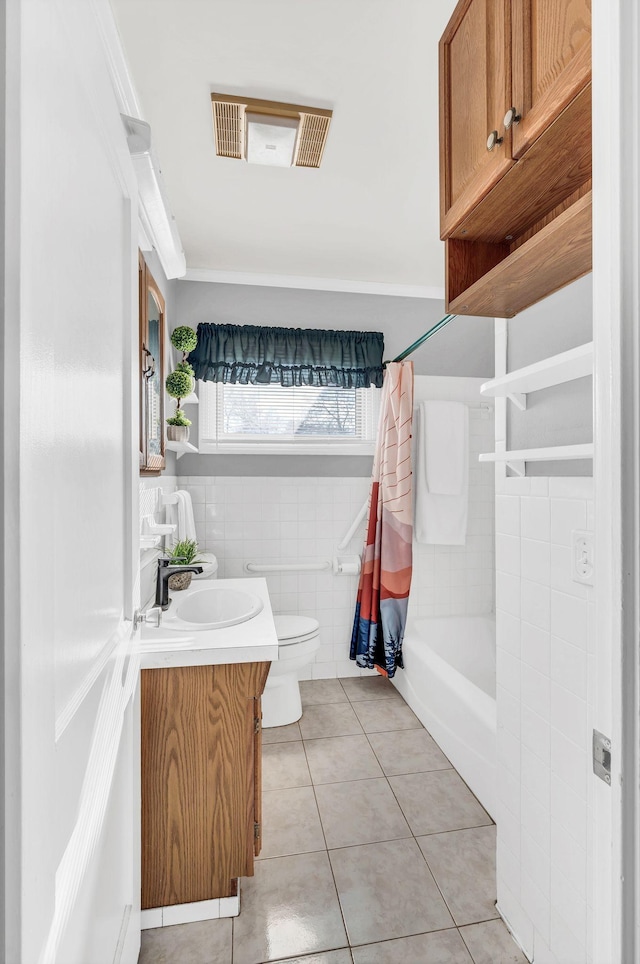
[421, 340]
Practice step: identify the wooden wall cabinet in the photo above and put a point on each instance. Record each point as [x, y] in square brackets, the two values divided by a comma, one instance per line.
[201, 780]
[514, 77]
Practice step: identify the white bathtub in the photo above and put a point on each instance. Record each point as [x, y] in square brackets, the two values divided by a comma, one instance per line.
[449, 681]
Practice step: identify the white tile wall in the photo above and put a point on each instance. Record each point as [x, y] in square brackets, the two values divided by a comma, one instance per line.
[543, 643]
[288, 520]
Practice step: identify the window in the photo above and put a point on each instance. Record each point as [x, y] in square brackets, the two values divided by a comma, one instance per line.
[270, 418]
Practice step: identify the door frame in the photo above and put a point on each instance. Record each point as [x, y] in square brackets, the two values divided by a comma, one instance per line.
[616, 252]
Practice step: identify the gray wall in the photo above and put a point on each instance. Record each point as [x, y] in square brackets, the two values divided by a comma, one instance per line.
[464, 347]
[562, 415]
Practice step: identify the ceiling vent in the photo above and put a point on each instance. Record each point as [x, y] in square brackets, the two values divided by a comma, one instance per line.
[268, 132]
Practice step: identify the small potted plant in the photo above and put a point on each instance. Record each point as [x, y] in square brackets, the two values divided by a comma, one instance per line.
[178, 427]
[183, 553]
[181, 383]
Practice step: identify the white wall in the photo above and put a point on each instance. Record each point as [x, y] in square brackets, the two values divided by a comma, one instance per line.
[545, 645]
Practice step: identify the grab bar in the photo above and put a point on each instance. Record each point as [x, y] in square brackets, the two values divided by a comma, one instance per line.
[287, 566]
[344, 542]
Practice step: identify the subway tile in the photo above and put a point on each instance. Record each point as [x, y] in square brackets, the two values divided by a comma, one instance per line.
[570, 906]
[537, 861]
[569, 667]
[508, 593]
[535, 688]
[536, 900]
[508, 554]
[569, 762]
[507, 518]
[534, 518]
[566, 515]
[535, 603]
[536, 820]
[508, 673]
[507, 632]
[536, 732]
[569, 619]
[536, 776]
[569, 714]
[568, 487]
[535, 561]
[535, 646]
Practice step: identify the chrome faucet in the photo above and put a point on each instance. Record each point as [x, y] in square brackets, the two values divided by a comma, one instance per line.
[162, 580]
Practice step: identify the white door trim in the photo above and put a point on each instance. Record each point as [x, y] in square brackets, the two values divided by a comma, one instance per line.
[616, 376]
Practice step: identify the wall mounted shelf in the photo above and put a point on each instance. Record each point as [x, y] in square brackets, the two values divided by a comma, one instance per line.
[499, 280]
[182, 448]
[516, 458]
[565, 367]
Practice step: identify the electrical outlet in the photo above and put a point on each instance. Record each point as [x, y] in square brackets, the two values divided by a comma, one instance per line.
[582, 564]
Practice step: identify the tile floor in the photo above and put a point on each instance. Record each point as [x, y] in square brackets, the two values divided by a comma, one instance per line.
[374, 850]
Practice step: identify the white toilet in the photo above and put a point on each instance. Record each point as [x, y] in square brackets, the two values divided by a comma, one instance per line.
[298, 642]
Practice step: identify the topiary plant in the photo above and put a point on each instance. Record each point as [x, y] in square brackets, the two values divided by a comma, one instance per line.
[184, 339]
[179, 384]
[179, 419]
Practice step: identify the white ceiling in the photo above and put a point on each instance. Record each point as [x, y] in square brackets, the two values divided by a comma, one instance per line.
[370, 213]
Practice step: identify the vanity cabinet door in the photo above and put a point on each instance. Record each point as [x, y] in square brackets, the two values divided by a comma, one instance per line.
[475, 91]
[551, 50]
[201, 754]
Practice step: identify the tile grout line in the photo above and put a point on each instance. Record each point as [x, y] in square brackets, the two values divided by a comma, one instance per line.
[324, 837]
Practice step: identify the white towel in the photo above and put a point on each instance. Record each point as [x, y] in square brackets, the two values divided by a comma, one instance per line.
[181, 513]
[442, 474]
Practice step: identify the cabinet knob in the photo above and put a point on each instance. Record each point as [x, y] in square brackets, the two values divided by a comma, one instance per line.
[511, 117]
[493, 140]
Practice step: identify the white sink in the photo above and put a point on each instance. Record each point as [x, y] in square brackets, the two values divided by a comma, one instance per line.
[212, 608]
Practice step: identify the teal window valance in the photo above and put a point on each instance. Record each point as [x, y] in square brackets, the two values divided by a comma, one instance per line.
[256, 355]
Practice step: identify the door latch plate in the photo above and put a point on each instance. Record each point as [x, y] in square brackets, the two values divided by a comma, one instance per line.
[602, 756]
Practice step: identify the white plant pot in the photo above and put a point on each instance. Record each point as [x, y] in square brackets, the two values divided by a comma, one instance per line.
[178, 433]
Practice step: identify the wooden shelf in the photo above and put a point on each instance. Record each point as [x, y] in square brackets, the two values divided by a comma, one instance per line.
[182, 448]
[499, 280]
[565, 367]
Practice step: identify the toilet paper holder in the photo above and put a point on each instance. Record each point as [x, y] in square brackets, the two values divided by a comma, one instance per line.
[346, 565]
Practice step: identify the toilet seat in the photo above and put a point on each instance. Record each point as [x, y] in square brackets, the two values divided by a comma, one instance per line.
[291, 628]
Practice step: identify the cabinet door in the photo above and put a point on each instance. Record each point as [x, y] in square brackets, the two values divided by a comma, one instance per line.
[551, 50]
[475, 92]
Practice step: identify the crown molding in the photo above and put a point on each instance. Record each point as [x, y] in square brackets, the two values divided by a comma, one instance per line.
[122, 82]
[313, 284]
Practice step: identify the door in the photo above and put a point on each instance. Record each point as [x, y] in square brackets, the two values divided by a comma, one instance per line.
[475, 91]
[73, 891]
[551, 49]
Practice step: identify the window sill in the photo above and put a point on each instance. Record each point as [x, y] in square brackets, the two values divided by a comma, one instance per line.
[285, 448]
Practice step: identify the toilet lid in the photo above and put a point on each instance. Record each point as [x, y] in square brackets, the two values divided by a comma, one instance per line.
[290, 627]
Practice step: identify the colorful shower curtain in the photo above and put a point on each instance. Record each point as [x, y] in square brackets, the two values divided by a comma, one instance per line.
[383, 592]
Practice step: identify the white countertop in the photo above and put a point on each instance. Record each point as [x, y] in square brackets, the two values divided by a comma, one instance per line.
[249, 642]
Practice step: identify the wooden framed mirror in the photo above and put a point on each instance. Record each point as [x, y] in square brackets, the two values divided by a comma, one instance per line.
[152, 324]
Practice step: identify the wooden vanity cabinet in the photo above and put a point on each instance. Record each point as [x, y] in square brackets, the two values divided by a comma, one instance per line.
[530, 58]
[201, 780]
